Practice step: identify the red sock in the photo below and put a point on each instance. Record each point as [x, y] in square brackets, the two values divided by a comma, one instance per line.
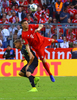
[47, 68]
[55, 41]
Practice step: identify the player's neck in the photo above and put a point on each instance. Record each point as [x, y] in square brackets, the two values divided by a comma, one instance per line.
[20, 47]
[25, 29]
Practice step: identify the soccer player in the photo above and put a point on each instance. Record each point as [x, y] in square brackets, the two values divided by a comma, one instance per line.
[32, 63]
[30, 35]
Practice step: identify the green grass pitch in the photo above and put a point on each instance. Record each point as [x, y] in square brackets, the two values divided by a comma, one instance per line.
[16, 88]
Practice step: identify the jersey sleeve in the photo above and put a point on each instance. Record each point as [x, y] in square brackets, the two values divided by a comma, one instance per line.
[25, 41]
[35, 26]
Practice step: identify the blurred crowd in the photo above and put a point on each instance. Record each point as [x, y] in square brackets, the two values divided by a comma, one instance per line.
[48, 11]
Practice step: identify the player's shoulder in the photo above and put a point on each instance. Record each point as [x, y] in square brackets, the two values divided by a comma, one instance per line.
[23, 47]
[32, 25]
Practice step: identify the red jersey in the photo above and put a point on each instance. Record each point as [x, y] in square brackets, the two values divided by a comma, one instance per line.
[38, 14]
[36, 2]
[72, 12]
[12, 19]
[74, 21]
[7, 9]
[34, 39]
[42, 20]
[25, 3]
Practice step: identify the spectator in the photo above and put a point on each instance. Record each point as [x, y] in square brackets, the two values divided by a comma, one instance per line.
[72, 39]
[17, 20]
[34, 1]
[58, 9]
[30, 13]
[74, 51]
[50, 7]
[75, 21]
[64, 16]
[23, 3]
[29, 18]
[37, 14]
[13, 18]
[48, 28]
[4, 16]
[16, 8]
[54, 45]
[14, 38]
[5, 34]
[8, 8]
[67, 3]
[5, 3]
[65, 44]
[20, 14]
[4, 21]
[53, 26]
[19, 31]
[42, 20]
[74, 2]
[72, 11]
[0, 38]
[2, 10]
[9, 53]
[13, 3]
[9, 15]
[0, 17]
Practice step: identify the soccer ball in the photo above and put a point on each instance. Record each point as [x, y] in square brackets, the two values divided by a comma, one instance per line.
[33, 7]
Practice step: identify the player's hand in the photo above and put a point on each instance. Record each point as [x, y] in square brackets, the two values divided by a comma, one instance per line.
[22, 60]
[65, 15]
[37, 30]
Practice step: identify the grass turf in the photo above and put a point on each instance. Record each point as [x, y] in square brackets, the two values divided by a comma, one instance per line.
[16, 88]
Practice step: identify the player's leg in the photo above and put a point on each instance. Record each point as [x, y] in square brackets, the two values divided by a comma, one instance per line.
[48, 41]
[40, 53]
[23, 72]
[31, 78]
[48, 70]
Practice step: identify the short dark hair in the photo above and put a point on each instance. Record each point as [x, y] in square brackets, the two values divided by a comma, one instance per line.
[16, 41]
[8, 46]
[23, 21]
[65, 8]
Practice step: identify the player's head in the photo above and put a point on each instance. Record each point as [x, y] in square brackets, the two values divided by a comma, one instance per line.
[24, 24]
[8, 47]
[17, 43]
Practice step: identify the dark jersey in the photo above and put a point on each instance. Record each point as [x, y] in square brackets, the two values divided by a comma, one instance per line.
[26, 55]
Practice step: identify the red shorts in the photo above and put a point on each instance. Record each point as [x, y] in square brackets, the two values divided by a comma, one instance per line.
[40, 48]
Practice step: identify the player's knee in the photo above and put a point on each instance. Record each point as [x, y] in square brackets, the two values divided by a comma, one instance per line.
[44, 60]
[21, 74]
[28, 74]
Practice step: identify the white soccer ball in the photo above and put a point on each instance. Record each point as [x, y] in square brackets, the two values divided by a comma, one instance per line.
[33, 7]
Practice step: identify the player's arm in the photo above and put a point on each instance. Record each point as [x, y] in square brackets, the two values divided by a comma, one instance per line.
[23, 60]
[39, 28]
[31, 56]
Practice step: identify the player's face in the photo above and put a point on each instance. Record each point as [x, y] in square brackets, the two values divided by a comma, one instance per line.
[17, 45]
[25, 25]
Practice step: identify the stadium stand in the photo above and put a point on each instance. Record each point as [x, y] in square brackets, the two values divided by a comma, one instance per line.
[49, 11]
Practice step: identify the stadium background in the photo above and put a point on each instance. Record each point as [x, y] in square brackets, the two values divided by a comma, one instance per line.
[58, 55]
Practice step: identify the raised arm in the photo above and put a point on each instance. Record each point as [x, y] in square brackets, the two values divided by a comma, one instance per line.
[39, 28]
